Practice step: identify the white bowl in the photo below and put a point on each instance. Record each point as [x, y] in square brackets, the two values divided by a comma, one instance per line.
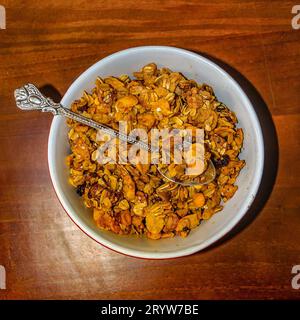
[227, 90]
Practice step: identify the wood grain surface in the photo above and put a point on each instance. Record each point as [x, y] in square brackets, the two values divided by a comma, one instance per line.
[50, 43]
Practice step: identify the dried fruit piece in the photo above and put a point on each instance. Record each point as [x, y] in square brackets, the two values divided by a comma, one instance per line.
[198, 199]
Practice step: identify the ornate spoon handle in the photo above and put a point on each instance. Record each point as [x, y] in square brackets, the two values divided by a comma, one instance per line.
[29, 97]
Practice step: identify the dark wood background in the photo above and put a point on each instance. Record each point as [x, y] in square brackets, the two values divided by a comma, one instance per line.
[51, 43]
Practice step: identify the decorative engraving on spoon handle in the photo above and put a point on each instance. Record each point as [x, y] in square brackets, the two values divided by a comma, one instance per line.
[29, 97]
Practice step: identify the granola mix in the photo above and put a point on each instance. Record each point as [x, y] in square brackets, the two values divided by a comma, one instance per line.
[128, 199]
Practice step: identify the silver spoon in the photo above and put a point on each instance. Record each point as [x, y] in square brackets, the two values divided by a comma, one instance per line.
[29, 97]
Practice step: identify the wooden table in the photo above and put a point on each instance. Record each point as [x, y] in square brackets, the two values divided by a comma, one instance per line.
[51, 43]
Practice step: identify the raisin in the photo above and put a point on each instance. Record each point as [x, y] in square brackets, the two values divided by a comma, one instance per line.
[222, 162]
[80, 189]
[83, 108]
[228, 119]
